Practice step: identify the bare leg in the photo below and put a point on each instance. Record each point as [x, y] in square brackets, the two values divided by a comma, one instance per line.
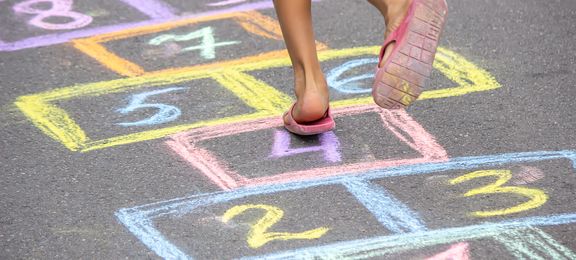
[393, 12]
[310, 86]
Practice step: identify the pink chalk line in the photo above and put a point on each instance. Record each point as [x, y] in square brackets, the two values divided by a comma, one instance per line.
[458, 251]
[396, 121]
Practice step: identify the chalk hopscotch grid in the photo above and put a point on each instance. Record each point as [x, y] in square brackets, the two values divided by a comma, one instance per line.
[265, 99]
[389, 211]
[396, 122]
[253, 22]
[411, 232]
[158, 11]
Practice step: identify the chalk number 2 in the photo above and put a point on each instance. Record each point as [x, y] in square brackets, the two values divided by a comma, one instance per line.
[537, 197]
[258, 235]
[165, 114]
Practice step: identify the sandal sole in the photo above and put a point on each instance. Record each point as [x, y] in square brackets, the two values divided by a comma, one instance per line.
[401, 80]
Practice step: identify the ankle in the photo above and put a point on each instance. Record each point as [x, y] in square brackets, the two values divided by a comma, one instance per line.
[390, 8]
[395, 8]
[309, 80]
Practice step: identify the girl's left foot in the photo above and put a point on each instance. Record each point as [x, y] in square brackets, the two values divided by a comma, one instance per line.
[393, 12]
[412, 35]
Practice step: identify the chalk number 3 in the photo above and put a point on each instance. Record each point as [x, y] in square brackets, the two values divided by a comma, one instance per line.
[258, 235]
[537, 197]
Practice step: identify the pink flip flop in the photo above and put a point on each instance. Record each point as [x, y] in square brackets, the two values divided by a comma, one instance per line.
[400, 80]
[319, 126]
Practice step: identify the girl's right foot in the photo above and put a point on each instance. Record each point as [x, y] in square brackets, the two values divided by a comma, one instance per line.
[312, 98]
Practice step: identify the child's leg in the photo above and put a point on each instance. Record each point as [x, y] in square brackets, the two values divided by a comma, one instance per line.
[310, 86]
[393, 12]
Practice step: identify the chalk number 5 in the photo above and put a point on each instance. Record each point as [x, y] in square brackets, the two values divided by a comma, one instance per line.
[165, 114]
[537, 197]
[258, 235]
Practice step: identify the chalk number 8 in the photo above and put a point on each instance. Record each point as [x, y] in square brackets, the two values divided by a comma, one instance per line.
[537, 197]
[58, 8]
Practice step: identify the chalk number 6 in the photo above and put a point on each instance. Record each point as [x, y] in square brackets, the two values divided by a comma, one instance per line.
[258, 235]
[537, 197]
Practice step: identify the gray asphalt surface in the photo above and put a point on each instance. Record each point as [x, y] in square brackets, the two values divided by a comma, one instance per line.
[61, 204]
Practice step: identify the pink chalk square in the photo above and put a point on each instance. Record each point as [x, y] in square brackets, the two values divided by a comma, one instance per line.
[397, 122]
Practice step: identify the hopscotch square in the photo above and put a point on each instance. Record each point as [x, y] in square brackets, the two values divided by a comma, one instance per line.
[84, 17]
[197, 100]
[520, 236]
[446, 205]
[252, 22]
[203, 232]
[397, 122]
[58, 124]
[156, 12]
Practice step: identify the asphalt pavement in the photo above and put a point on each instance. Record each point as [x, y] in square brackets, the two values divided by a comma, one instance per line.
[150, 129]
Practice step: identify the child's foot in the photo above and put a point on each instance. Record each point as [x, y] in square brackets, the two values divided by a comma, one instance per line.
[312, 99]
[393, 12]
[404, 69]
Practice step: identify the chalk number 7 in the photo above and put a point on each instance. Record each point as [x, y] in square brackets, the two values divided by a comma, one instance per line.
[165, 114]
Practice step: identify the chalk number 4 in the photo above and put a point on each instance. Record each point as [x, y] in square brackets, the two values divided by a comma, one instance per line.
[537, 197]
[258, 235]
[207, 48]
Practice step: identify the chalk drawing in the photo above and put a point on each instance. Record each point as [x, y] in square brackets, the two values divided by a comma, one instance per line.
[207, 47]
[389, 211]
[256, 24]
[520, 236]
[533, 243]
[58, 8]
[513, 233]
[526, 174]
[537, 197]
[166, 50]
[347, 85]
[388, 245]
[457, 251]
[157, 10]
[259, 235]
[165, 114]
[397, 122]
[232, 75]
[329, 146]
[226, 2]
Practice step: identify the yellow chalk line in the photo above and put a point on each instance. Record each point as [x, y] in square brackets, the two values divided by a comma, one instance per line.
[265, 99]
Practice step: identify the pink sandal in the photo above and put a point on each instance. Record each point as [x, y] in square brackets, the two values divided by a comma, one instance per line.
[399, 81]
[319, 126]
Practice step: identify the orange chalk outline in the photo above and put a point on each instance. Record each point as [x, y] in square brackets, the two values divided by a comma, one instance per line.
[252, 21]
